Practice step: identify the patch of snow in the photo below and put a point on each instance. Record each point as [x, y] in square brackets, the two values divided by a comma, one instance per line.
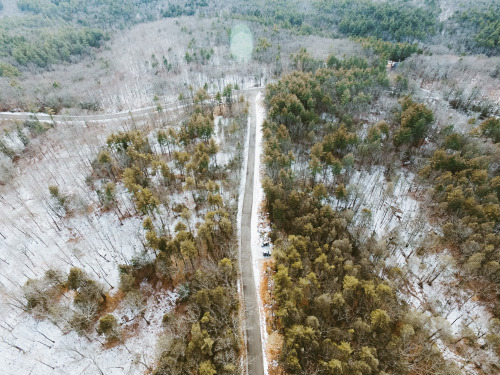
[432, 285]
[49, 349]
[382, 206]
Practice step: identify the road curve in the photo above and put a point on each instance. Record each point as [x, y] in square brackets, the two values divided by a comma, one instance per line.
[253, 337]
[139, 112]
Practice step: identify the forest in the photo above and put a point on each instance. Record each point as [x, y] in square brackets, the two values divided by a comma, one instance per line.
[331, 302]
[126, 155]
[180, 189]
[84, 26]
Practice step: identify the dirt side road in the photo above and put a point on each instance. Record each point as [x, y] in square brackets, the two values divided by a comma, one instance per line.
[254, 341]
[139, 112]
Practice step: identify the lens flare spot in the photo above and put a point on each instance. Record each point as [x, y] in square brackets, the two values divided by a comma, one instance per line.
[241, 43]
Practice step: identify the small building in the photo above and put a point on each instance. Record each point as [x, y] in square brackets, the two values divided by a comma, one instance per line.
[392, 64]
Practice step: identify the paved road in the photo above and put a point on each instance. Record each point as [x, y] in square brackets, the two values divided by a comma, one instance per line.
[254, 341]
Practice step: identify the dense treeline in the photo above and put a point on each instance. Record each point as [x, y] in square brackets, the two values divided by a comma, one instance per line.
[469, 29]
[49, 47]
[397, 21]
[52, 32]
[335, 313]
[202, 257]
[394, 21]
[187, 8]
[288, 14]
[388, 50]
[92, 13]
[479, 30]
[350, 84]
[465, 178]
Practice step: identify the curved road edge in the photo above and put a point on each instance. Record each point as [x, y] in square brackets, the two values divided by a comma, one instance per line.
[109, 116]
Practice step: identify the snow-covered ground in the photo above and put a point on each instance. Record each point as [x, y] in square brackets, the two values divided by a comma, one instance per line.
[42, 348]
[390, 203]
[396, 212]
[35, 237]
[37, 234]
